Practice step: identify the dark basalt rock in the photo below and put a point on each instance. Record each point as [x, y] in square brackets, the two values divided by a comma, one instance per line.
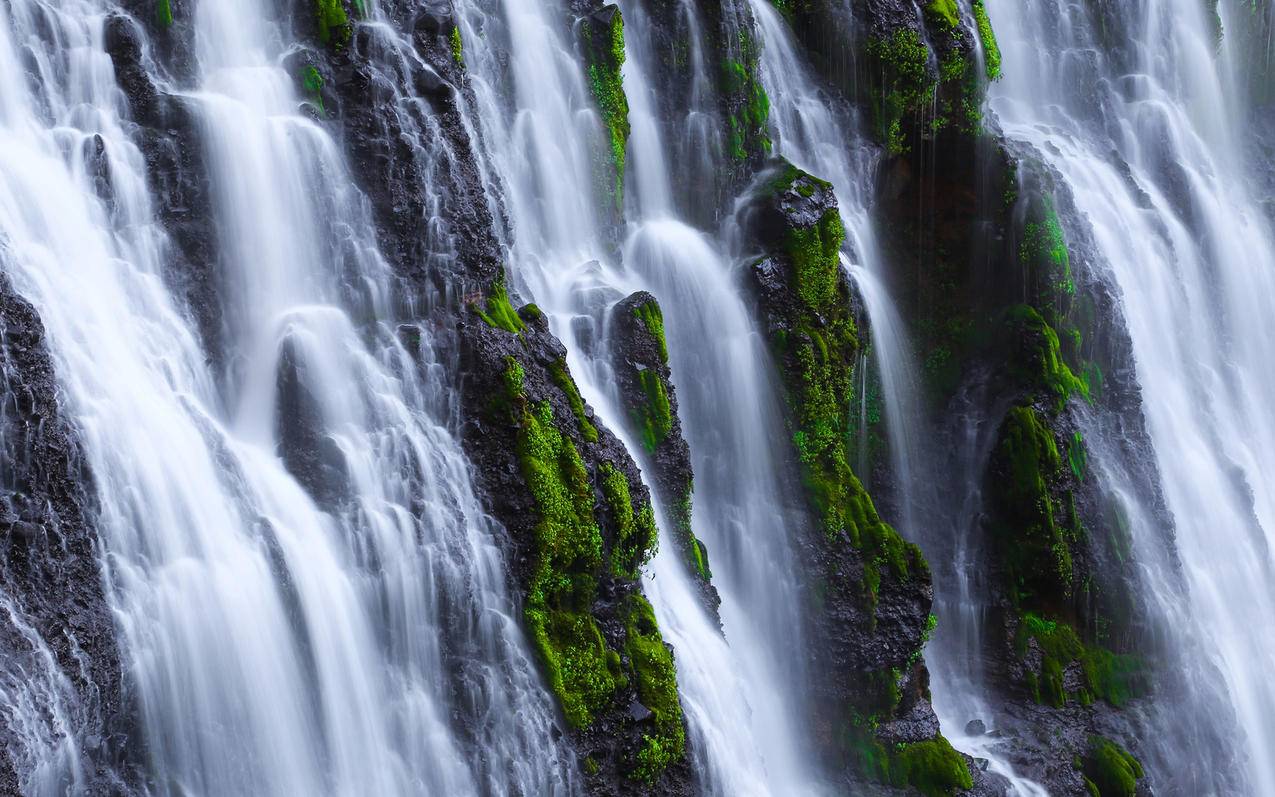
[309, 454]
[871, 619]
[169, 139]
[615, 732]
[49, 570]
[642, 371]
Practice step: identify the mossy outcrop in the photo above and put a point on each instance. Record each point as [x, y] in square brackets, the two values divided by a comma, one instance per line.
[873, 591]
[650, 401]
[581, 524]
[602, 39]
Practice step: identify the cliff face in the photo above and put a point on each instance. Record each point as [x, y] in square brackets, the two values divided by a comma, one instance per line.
[980, 244]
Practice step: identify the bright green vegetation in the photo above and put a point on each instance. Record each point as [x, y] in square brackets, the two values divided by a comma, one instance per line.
[654, 416]
[458, 47]
[991, 50]
[819, 350]
[334, 25]
[1037, 530]
[748, 129]
[607, 84]
[933, 767]
[908, 85]
[1110, 770]
[312, 82]
[653, 319]
[1045, 246]
[636, 536]
[944, 13]
[1045, 366]
[499, 312]
[1076, 456]
[655, 677]
[693, 548]
[164, 13]
[814, 252]
[700, 559]
[562, 378]
[567, 562]
[1108, 676]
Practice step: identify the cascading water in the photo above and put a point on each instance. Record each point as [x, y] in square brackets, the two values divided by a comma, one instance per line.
[818, 133]
[744, 724]
[259, 411]
[275, 647]
[1157, 162]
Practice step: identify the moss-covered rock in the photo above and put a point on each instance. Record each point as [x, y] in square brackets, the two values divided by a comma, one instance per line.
[805, 295]
[872, 594]
[1110, 770]
[332, 23]
[650, 401]
[602, 39]
[582, 524]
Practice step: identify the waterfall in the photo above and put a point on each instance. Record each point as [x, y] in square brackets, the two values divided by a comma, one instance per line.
[742, 693]
[246, 475]
[1157, 163]
[284, 623]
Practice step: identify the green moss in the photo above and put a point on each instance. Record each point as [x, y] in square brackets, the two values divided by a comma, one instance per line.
[819, 350]
[654, 416]
[499, 312]
[458, 46]
[1110, 770]
[991, 50]
[813, 252]
[605, 59]
[636, 536]
[1076, 456]
[907, 88]
[748, 127]
[562, 378]
[566, 559]
[1035, 544]
[932, 767]
[334, 25]
[1044, 246]
[653, 319]
[1045, 366]
[312, 82]
[944, 13]
[164, 13]
[694, 550]
[1108, 676]
[655, 676]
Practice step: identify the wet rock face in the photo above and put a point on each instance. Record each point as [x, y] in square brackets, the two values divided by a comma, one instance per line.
[531, 437]
[168, 137]
[309, 453]
[650, 401]
[872, 591]
[49, 572]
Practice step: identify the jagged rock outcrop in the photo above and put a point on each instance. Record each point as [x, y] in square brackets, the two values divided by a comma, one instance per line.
[581, 525]
[50, 579]
[872, 693]
[646, 388]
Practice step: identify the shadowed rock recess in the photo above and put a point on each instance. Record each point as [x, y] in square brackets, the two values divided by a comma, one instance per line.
[472, 410]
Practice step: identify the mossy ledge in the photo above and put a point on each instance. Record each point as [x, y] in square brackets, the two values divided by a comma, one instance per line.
[332, 22]
[582, 526]
[602, 38]
[872, 593]
[1109, 769]
[814, 337]
[644, 377]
